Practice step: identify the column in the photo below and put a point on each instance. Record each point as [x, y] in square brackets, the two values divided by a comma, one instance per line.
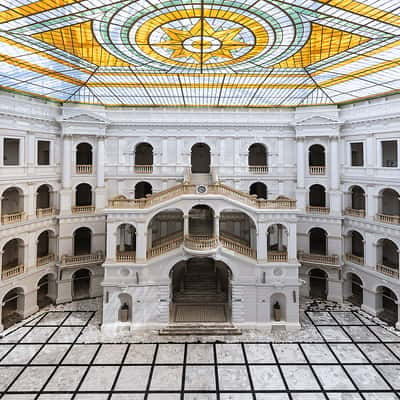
[335, 287]
[31, 152]
[30, 303]
[111, 241]
[30, 202]
[370, 154]
[100, 162]
[370, 302]
[216, 226]
[67, 161]
[371, 202]
[334, 163]
[370, 250]
[300, 162]
[292, 243]
[262, 243]
[141, 242]
[185, 225]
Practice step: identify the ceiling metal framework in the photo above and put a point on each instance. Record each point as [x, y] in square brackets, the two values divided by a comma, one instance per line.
[252, 53]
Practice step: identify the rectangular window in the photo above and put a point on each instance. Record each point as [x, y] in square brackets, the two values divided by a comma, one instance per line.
[389, 153]
[43, 152]
[357, 154]
[11, 152]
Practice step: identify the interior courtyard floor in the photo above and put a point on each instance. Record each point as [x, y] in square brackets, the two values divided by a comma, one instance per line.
[340, 354]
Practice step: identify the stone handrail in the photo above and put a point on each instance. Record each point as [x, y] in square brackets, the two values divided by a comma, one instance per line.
[355, 259]
[317, 210]
[13, 218]
[318, 258]
[83, 259]
[277, 256]
[200, 242]
[317, 170]
[183, 189]
[166, 239]
[143, 169]
[11, 272]
[354, 212]
[388, 219]
[388, 271]
[165, 247]
[126, 256]
[45, 212]
[82, 169]
[45, 260]
[237, 247]
[234, 238]
[258, 169]
[83, 209]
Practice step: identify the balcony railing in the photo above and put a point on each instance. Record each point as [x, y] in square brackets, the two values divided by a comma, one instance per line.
[354, 212]
[200, 242]
[355, 259]
[277, 256]
[317, 210]
[84, 169]
[49, 258]
[388, 219]
[45, 212]
[143, 169]
[13, 218]
[215, 189]
[165, 247]
[388, 271]
[8, 273]
[317, 170]
[258, 169]
[318, 258]
[126, 256]
[237, 247]
[83, 209]
[82, 259]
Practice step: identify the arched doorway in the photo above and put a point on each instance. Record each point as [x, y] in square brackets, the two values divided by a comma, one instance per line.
[316, 156]
[82, 241]
[257, 155]
[83, 195]
[43, 197]
[12, 307]
[143, 155]
[200, 291]
[46, 292]
[354, 289]
[317, 197]
[142, 189]
[259, 189]
[201, 221]
[387, 300]
[318, 284]
[81, 284]
[84, 154]
[318, 239]
[200, 159]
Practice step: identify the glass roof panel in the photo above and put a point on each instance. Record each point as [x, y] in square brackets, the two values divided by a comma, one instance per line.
[209, 53]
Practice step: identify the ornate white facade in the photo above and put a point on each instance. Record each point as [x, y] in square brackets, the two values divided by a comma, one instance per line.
[262, 250]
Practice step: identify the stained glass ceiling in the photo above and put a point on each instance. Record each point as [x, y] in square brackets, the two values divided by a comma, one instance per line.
[251, 53]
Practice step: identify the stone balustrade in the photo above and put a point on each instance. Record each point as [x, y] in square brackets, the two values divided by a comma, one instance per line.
[82, 169]
[277, 256]
[13, 218]
[126, 256]
[258, 169]
[317, 210]
[355, 259]
[354, 212]
[388, 219]
[317, 170]
[45, 212]
[8, 273]
[237, 247]
[83, 209]
[318, 258]
[49, 258]
[165, 247]
[388, 271]
[143, 169]
[200, 242]
[93, 258]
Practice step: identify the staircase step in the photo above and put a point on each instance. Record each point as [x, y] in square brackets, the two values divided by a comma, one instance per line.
[192, 329]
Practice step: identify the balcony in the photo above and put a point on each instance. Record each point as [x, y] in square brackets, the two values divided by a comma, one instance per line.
[143, 169]
[200, 243]
[388, 271]
[45, 212]
[83, 209]
[126, 256]
[8, 273]
[388, 219]
[49, 258]
[355, 259]
[318, 258]
[13, 218]
[84, 259]
[354, 212]
[84, 169]
[318, 210]
[277, 256]
[215, 189]
[317, 170]
[258, 169]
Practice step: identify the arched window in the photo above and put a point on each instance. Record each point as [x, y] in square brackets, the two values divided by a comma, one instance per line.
[316, 156]
[144, 158]
[357, 244]
[43, 197]
[390, 203]
[83, 195]
[318, 241]
[259, 189]
[317, 196]
[388, 257]
[257, 158]
[12, 258]
[200, 158]
[82, 241]
[84, 154]
[81, 284]
[126, 243]
[201, 221]
[11, 203]
[142, 189]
